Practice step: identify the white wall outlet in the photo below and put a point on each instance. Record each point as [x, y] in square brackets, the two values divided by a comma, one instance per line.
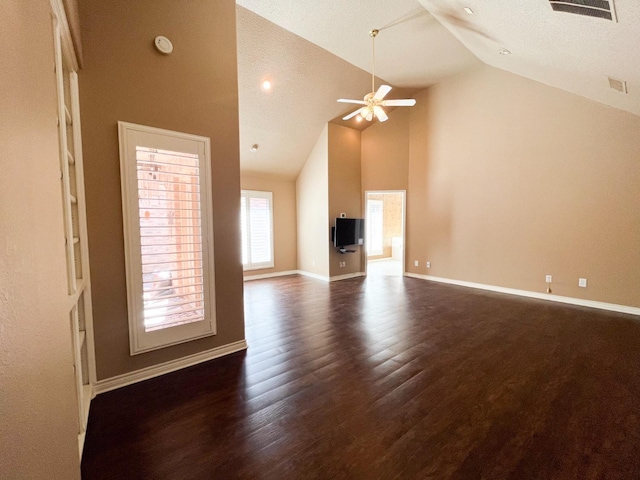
[343, 215]
[428, 264]
[548, 278]
[416, 263]
[582, 282]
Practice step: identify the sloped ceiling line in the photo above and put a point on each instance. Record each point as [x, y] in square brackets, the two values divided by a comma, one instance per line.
[317, 52]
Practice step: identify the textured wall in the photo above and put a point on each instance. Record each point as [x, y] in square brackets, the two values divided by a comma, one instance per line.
[385, 152]
[73, 19]
[510, 180]
[345, 192]
[312, 197]
[38, 413]
[193, 90]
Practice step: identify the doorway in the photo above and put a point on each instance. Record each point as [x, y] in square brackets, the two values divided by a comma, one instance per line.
[385, 235]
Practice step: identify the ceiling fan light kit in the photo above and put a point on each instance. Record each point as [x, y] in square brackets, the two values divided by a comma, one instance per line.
[374, 100]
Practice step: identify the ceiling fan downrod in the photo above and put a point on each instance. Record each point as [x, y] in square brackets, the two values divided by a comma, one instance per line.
[373, 34]
[374, 100]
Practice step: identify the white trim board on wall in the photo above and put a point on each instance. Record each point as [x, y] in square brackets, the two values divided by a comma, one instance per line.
[612, 307]
[306, 274]
[336, 278]
[248, 278]
[136, 376]
[261, 276]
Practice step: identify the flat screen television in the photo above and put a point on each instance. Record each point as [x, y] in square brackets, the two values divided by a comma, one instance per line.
[348, 231]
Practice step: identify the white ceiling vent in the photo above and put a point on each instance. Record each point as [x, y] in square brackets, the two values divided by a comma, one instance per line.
[619, 85]
[590, 8]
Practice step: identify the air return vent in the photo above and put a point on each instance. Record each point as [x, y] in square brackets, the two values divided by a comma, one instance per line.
[590, 8]
[619, 85]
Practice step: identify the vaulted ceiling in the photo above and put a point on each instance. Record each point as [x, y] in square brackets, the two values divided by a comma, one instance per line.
[316, 52]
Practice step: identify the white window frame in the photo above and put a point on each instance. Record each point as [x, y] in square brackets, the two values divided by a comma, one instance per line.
[250, 265]
[130, 136]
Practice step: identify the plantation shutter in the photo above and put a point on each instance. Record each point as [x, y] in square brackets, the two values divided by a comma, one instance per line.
[170, 237]
[167, 212]
[257, 229]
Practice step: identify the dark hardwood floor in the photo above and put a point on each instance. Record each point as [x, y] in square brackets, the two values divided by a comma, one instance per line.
[387, 377]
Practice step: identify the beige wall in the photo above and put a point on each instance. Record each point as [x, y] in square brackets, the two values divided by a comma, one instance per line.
[385, 153]
[38, 412]
[345, 193]
[510, 180]
[312, 200]
[285, 250]
[193, 90]
[73, 19]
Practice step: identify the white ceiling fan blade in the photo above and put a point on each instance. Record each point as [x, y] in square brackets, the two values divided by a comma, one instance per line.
[379, 113]
[351, 115]
[404, 102]
[382, 91]
[348, 100]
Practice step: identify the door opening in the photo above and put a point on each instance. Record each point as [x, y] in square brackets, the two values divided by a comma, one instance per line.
[385, 220]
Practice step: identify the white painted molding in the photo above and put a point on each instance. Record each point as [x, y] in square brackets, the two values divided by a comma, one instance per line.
[248, 278]
[337, 278]
[57, 8]
[314, 275]
[123, 380]
[612, 307]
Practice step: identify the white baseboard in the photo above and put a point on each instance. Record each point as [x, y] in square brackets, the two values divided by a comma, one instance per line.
[314, 275]
[336, 278]
[612, 307]
[248, 278]
[125, 379]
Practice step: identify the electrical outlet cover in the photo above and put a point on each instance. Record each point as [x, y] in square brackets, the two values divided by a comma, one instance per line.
[582, 282]
[548, 278]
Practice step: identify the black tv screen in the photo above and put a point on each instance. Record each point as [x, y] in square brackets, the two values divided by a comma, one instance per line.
[348, 231]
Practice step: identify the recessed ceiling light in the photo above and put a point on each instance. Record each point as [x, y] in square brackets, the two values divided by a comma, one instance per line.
[254, 147]
[469, 10]
[358, 118]
[504, 51]
[266, 85]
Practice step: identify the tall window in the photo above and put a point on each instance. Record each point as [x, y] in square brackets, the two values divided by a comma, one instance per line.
[256, 220]
[375, 227]
[169, 251]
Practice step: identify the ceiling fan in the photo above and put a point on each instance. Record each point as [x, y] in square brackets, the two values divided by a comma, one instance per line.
[374, 101]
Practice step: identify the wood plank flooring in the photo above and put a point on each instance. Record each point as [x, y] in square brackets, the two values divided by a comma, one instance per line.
[387, 378]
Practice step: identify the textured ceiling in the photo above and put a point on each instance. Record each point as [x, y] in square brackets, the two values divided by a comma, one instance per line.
[567, 51]
[287, 120]
[308, 76]
[316, 52]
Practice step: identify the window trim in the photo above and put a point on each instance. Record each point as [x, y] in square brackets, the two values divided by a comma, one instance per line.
[141, 341]
[248, 194]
